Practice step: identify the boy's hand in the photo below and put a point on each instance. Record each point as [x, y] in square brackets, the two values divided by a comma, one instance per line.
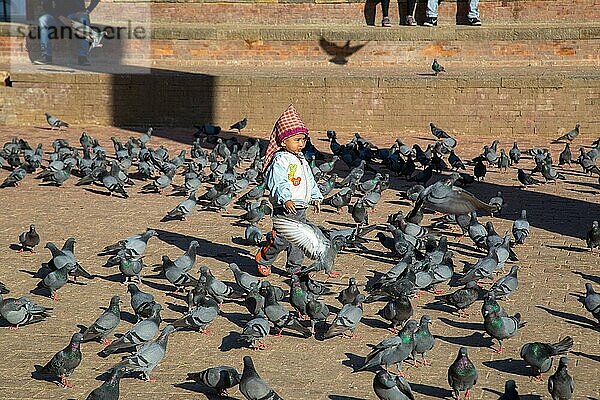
[290, 207]
[316, 207]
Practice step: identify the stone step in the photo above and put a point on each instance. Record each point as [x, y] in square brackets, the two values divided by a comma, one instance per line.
[188, 46]
[352, 12]
[516, 101]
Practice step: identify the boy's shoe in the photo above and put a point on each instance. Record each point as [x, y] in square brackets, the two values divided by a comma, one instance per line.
[410, 20]
[430, 21]
[385, 22]
[83, 61]
[264, 270]
[43, 60]
[263, 266]
[474, 22]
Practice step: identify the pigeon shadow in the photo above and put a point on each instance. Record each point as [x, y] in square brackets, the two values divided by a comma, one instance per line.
[374, 323]
[239, 319]
[431, 391]
[39, 376]
[593, 278]
[354, 361]
[117, 278]
[509, 366]
[218, 251]
[14, 246]
[521, 396]
[159, 286]
[96, 191]
[439, 307]
[129, 317]
[232, 341]
[476, 339]
[463, 325]
[177, 308]
[593, 357]
[205, 390]
[342, 397]
[570, 317]
[568, 248]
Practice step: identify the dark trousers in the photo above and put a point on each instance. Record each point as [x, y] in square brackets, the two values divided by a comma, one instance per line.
[278, 243]
[410, 5]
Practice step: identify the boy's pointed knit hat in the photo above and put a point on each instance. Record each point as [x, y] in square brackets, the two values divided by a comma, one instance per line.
[287, 125]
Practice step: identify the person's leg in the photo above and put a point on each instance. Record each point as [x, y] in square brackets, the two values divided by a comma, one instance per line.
[431, 13]
[411, 9]
[83, 45]
[473, 15]
[385, 12]
[46, 23]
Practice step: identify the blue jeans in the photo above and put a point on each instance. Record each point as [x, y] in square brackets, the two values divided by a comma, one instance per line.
[48, 22]
[432, 9]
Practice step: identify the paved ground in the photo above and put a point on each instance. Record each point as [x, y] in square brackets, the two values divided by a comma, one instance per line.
[553, 269]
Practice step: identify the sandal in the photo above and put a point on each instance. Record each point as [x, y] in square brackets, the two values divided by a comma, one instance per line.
[385, 22]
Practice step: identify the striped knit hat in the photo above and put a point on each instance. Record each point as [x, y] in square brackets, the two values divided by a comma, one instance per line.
[288, 124]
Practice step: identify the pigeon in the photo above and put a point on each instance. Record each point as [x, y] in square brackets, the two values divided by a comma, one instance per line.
[312, 242]
[347, 295]
[198, 318]
[280, 317]
[560, 385]
[424, 340]
[242, 278]
[186, 261]
[479, 170]
[391, 387]
[299, 298]
[393, 350]
[592, 239]
[3, 289]
[506, 285]
[255, 331]
[317, 311]
[55, 122]
[105, 324]
[525, 179]
[252, 386]
[483, 268]
[22, 311]
[550, 174]
[183, 209]
[88, 33]
[109, 390]
[565, 156]
[148, 356]
[315, 287]
[462, 374]
[490, 304]
[130, 267]
[592, 301]
[347, 319]
[254, 301]
[514, 153]
[133, 245]
[54, 281]
[239, 125]
[176, 276]
[215, 288]
[142, 303]
[397, 311]
[253, 235]
[437, 67]
[570, 136]
[437, 132]
[217, 378]
[443, 197]
[14, 178]
[498, 202]
[520, 228]
[461, 298]
[501, 328]
[455, 161]
[29, 239]
[142, 332]
[539, 355]
[64, 362]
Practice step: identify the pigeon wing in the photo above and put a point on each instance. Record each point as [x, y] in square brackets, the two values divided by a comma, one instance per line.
[308, 238]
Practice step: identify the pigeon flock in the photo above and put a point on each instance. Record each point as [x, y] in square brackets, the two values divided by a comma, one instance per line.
[220, 174]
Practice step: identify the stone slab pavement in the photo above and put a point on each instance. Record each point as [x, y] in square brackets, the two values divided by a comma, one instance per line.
[554, 266]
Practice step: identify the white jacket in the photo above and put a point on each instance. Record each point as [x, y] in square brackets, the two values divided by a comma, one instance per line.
[289, 177]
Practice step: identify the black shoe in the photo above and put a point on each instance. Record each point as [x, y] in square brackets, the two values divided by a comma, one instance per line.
[430, 21]
[43, 60]
[83, 61]
[474, 22]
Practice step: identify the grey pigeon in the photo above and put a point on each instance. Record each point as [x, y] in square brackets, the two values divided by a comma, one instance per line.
[391, 387]
[253, 235]
[243, 279]
[592, 239]
[483, 268]
[462, 374]
[437, 67]
[490, 304]
[252, 386]
[565, 156]
[29, 239]
[280, 317]
[133, 245]
[443, 197]
[105, 324]
[571, 135]
[55, 122]
[142, 332]
[141, 302]
[130, 267]
[198, 318]
[312, 242]
[424, 340]
[550, 174]
[216, 288]
[148, 356]
[109, 390]
[347, 319]
[14, 178]
[255, 331]
[520, 228]
[64, 362]
[183, 209]
[592, 301]
[514, 153]
[22, 311]
[217, 378]
[510, 391]
[186, 261]
[177, 277]
[461, 298]
[498, 202]
[539, 355]
[54, 281]
[299, 298]
[506, 285]
[255, 302]
[560, 384]
[317, 311]
[393, 350]
[501, 328]
[397, 311]
[347, 295]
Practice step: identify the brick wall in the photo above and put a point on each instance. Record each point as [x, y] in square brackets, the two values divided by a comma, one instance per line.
[516, 105]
